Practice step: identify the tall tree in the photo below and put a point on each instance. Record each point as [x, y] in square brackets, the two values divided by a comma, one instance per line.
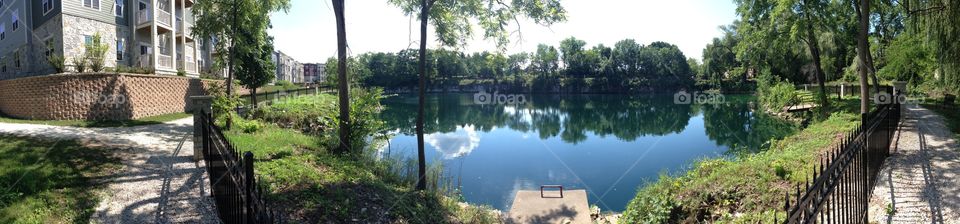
[451, 21]
[226, 21]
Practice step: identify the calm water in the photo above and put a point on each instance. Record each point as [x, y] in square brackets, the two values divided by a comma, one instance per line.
[609, 145]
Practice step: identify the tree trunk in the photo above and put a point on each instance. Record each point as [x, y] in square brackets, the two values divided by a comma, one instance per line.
[863, 51]
[344, 87]
[871, 69]
[421, 157]
[815, 52]
[253, 97]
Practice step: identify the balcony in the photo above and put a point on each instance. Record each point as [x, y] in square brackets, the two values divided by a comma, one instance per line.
[143, 16]
[164, 18]
[165, 61]
[184, 29]
[145, 61]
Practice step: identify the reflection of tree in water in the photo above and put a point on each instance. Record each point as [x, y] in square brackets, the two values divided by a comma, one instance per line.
[736, 125]
[570, 117]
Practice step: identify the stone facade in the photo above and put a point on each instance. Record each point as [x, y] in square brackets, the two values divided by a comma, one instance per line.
[98, 96]
[76, 28]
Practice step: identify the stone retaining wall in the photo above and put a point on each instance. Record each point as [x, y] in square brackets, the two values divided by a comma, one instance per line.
[98, 96]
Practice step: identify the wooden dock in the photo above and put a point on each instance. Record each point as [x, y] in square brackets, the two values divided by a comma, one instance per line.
[531, 207]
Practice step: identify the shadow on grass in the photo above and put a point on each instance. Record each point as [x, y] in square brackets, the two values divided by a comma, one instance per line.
[50, 182]
[346, 202]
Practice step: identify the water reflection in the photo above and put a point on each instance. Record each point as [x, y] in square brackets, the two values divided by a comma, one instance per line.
[454, 144]
[607, 144]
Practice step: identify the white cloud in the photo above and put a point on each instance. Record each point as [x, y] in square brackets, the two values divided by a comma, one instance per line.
[454, 144]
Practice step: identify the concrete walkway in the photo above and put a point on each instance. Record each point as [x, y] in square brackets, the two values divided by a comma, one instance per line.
[920, 182]
[159, 182]
[530, 207]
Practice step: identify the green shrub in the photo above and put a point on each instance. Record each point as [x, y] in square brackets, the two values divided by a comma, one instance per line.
[96, 52]
[135, 70]
[79, 64]
[56, 61]
[248, 126]
[775, 94]
[181, 72]
[287, 85]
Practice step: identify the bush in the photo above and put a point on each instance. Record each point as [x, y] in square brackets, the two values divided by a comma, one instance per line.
[135, 70]
[248, 126]
[775, 94]
[223, 105]
[95, 52]
[56, 61]
[79, 64]
[287, 85]
[181, 72]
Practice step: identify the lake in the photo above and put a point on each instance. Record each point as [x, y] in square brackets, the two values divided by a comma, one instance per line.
[609, 145]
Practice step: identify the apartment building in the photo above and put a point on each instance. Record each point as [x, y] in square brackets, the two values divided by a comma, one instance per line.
[144, 33]
[287, 68]
[313, 72]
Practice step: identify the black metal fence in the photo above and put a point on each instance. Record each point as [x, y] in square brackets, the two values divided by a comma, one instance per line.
[233, 184]
[842, 183]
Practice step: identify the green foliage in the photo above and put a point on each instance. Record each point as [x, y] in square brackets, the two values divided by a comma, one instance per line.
[750, 186]
[241, 26]
[134, 70]
[95, 52]
[181, 72]
[56, 61]
[248, 126]
[287, 85]
[79, 64]
[317, 114]
[775, 94]
[223, 104]
[909, 59]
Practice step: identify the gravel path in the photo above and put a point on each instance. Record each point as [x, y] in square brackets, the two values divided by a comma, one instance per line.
[159, 182]
[921, 180]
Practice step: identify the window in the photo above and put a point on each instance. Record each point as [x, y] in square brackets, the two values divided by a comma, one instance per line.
[144, 50]
[121, 45]
[16, 21]
[118, 8]
[3, 32]
[16, 59]
[4, 69]
[1, 6]
[93, 4]
[47, 6]
[87, 40]
[50, 49]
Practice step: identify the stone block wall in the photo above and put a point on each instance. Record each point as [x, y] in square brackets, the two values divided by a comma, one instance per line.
[98, 96]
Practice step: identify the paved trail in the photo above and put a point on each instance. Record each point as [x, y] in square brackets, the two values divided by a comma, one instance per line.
[921, 179]
[159, 182]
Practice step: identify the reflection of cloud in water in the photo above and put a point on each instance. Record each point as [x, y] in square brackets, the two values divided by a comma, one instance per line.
[454, 144]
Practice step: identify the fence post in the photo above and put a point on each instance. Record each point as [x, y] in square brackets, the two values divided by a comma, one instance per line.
[248, 179]
[200, 105]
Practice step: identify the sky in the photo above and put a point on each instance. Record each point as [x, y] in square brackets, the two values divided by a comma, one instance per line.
[307, 32]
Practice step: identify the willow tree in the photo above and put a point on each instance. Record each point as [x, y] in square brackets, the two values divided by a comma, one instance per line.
[451, 21]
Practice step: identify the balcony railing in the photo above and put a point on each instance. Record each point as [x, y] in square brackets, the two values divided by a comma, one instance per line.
[183, 28]
[143, 16]
[165, 61]
[164, 17]
[145, 61]
[191, 66]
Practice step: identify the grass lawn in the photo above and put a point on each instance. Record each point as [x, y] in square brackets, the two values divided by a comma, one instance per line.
[752, 186]
[50, 182]
[159, 119]
[315, 186]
